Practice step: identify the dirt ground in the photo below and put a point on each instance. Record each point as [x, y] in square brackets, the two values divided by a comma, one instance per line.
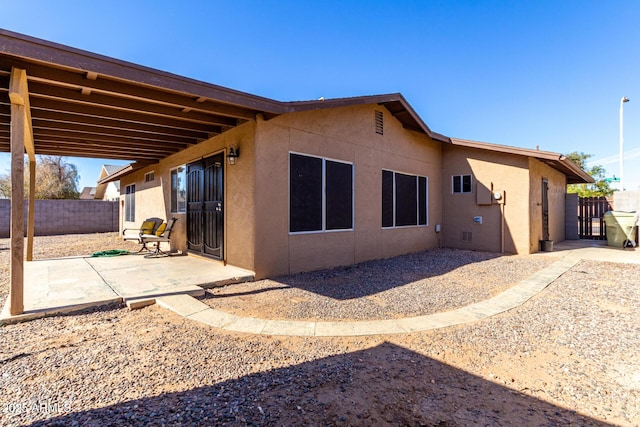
[569, 356]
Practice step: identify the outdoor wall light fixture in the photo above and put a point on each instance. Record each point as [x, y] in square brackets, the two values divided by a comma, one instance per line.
[233, 155]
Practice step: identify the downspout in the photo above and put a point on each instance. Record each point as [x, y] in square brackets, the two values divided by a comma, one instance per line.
[502, 228]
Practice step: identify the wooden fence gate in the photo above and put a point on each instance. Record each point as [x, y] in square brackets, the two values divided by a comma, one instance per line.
[590, 213]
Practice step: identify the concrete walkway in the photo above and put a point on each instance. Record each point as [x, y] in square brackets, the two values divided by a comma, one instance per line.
[196, 310]
[65, 285]
[570, 253]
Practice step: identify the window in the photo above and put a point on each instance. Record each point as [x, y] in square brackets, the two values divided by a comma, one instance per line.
[404, 199]
[320, 194]
[149, 176]
[461, 184]
[130, 203]
[178, 190]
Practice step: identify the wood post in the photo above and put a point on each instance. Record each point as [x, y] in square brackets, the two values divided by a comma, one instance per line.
[21, 140]
[16, 291]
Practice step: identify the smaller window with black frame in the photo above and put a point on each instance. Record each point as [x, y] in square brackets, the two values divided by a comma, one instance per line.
[130, 203]
[461, 184]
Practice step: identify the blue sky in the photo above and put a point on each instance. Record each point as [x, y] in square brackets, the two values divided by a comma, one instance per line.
[522, 73]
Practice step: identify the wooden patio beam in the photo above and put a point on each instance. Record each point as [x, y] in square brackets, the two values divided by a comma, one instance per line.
[52, 106]
[61, 94]
[73, 119]
[40, 126]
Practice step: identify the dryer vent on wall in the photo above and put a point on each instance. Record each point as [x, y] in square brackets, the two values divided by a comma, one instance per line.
[467, 236]
[379, 123]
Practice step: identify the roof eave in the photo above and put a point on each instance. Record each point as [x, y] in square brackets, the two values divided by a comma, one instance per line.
[573, 172]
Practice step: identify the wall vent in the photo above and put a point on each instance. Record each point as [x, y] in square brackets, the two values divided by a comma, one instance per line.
[467, 236]
[379, 123]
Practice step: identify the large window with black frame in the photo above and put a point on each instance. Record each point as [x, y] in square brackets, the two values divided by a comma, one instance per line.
[320, 194]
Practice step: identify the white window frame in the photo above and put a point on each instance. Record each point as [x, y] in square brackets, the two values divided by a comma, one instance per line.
[462, 184]
[149, 176]
[184, 175]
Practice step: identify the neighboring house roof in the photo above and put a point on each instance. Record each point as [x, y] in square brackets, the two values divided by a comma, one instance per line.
[123, 171]
[87, 193]
[112, 173]
[561, 163]
[110, 169]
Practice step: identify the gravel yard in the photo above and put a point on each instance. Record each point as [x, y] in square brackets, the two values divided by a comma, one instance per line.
[409, 285]
[567, 356]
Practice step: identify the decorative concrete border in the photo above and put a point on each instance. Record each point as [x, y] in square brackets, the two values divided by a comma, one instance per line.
[515, 296]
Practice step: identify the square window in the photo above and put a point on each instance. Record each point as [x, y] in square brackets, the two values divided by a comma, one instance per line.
[404, 199]
[320, 194]
[461, 184]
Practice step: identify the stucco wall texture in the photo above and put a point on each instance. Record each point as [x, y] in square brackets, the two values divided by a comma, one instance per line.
[346, 134]
[153, 199]
[257, 189]
[256, 192]
[519, 179]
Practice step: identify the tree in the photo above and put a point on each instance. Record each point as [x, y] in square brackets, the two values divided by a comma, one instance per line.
[599, 188]
[55, 179]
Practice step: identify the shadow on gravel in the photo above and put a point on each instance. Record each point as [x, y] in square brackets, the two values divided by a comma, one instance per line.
[372, 277]
[387, 384]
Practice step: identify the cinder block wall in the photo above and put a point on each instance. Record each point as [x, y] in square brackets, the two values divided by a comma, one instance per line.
[65, 217]
[626, 201]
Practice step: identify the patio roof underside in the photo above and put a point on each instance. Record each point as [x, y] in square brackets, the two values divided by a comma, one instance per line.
[87, 105]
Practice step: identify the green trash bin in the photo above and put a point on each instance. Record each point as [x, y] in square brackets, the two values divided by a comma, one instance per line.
[621, 227]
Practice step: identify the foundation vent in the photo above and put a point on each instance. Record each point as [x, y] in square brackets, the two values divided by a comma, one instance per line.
[467, 236]
[379, 123]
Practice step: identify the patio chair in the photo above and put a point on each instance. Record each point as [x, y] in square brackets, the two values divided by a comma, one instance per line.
[148, 227]
[162, 234]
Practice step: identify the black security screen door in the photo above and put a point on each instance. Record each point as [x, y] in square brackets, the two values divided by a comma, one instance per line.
[205, 206]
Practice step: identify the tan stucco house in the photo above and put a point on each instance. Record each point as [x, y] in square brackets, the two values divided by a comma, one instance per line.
[504, 199]
[337, 182]
[274, 187]
[109, 191]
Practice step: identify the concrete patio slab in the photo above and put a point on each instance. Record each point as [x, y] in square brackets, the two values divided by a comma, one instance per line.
[71, 284]
[60, 286]
[165, 275]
